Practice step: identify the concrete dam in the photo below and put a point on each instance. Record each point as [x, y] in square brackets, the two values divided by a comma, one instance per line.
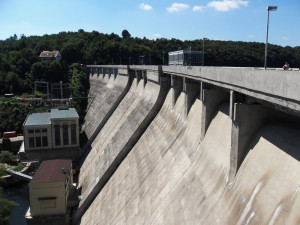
[190, 145]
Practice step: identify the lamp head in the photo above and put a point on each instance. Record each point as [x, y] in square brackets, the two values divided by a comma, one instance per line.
[272, 8]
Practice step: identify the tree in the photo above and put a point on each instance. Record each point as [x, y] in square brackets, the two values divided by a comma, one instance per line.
[126, 34]
[6, 144]
[6, 207]
[7, 157]
[80, 88]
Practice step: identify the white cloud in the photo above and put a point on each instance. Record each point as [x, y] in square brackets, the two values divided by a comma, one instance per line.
[24, 23]
[198, 8]
[285, 38]
[145, 6]
[226, 5]
[218, 39]
[176, 7]
[157, 35]
[251, 36]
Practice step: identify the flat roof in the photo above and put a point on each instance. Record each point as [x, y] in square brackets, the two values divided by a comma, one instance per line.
[51, 171]
[38, 119]
[185, 51]
[63, 114]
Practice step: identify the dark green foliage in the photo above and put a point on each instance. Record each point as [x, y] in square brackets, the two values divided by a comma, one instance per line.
[19, 59]
[51, 71]
[7, 157]
[80, 88]
[126, 34]
[14, 113]
[6, 207]
[6, 144]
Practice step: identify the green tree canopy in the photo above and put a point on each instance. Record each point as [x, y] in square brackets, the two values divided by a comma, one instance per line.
[6, 207]
[126, 34]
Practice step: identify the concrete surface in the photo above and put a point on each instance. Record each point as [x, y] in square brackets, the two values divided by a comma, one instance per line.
[174, 174]
[106, 91]
[168, 177]
[118, 136]
[266, 187]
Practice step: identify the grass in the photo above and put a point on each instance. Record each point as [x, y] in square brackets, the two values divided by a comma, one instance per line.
[18, 167]
[3, 173]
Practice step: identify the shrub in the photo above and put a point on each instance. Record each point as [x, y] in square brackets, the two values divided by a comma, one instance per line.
[7, 157]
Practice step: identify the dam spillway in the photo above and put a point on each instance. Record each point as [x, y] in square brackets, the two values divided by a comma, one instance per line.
[173, 147]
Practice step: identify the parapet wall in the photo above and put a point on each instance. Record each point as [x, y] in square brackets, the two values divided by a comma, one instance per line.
[204, 153]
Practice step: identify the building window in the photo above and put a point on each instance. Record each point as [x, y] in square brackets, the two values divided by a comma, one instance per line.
[57, 134]
[31, 142]
[65, 134]
[73, 134]
[45, 141]
[38, 142]
[30, 131]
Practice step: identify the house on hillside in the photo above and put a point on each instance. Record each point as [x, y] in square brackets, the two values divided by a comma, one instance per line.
[50, 55]
[49, 190]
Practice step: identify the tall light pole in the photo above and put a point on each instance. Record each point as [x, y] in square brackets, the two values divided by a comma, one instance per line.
[269, 8]
[203, 53]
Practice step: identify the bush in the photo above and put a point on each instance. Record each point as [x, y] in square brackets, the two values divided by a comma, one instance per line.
[6, 207]
[7, 157]
[6, 144]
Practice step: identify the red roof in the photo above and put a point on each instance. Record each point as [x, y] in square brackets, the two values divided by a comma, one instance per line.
[52, 171]
[49, 54]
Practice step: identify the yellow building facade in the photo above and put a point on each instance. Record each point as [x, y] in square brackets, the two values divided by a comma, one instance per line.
[50, 187]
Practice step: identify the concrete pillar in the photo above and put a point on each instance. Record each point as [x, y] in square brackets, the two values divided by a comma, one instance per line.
[138, 76]
[98, 72]
[103, 72]
[144, 74]
[192, 90]
[108, 72]
[247, 120]
[91, 71]
[115, 72]
[231, 103]
[211, 99]
[177, 87]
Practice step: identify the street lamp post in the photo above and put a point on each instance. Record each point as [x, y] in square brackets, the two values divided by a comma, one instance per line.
[203, 53]
[269, 8]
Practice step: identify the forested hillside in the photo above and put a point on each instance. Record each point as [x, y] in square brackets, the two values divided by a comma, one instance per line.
[19, 62]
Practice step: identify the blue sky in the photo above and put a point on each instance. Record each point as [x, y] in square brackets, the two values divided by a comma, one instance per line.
[237, 20]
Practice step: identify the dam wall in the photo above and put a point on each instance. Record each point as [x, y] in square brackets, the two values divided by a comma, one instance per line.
[108, 86]
[184, 150]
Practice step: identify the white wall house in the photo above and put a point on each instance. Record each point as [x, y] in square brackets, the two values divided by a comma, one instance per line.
[51, 130]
